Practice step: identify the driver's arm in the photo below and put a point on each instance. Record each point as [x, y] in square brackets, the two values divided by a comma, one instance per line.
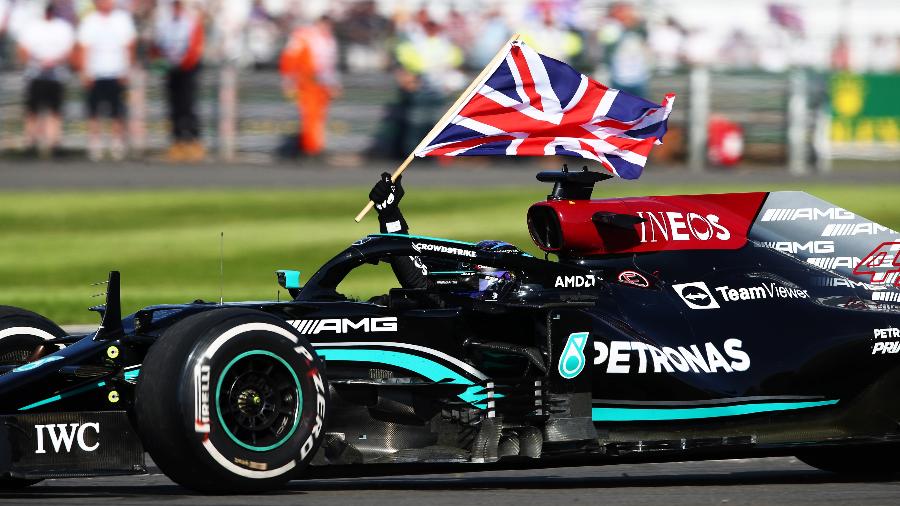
[411, 272]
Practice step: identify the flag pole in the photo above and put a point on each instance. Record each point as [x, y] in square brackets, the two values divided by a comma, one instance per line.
[449, 115]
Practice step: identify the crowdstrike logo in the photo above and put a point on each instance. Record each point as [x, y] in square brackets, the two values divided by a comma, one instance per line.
[696, 295]
[438, 248]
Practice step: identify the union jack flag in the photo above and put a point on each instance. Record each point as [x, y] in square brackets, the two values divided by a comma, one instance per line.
[533, 105]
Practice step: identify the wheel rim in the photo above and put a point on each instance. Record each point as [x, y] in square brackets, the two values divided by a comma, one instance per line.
[258, 400]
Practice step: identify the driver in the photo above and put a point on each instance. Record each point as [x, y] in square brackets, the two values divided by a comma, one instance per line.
[411, 272]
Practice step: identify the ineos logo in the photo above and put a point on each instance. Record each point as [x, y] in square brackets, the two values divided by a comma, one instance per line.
[696, 295]
[63, 435]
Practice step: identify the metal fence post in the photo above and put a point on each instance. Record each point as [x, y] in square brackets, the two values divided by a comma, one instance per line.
[137, 116]
[227, 111]
[822, 140]
[798, 123]
[698, 117]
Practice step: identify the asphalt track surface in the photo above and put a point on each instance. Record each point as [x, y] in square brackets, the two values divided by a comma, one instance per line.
[782, 480]
[78, 175]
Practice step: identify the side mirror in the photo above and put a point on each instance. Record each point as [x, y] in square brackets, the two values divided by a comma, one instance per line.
[288, 279]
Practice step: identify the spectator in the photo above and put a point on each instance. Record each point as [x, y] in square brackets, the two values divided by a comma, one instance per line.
[310, 77]
[666, 41]
[106, 47]
[624, 38]
[45, 45]
[427, 69]
[738, 51]
[840, 54]
[361, 35]
[884, 55]
[458, 30]
[179, 41]
[550, 37]
[492, 34]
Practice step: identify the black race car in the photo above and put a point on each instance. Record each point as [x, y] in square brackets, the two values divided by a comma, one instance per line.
[668, 328]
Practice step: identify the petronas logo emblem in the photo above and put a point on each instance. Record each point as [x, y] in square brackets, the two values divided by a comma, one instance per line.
[571, 362]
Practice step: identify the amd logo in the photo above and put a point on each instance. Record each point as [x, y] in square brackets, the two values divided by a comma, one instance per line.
[344, 325]
[807, 213]
[586, 281]
[812, 247]
[63, 435]
[676, 226]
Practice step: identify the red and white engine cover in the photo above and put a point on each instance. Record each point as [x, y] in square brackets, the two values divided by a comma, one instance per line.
[676, 222]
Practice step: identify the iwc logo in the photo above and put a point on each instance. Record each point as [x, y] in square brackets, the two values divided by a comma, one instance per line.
[571, 360]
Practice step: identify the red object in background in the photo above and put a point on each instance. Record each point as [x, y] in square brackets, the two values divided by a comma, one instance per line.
[725, 142]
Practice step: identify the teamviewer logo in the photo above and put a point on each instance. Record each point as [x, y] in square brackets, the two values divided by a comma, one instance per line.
[696, 295]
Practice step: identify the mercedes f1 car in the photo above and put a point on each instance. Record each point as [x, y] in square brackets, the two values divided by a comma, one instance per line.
[667, 328]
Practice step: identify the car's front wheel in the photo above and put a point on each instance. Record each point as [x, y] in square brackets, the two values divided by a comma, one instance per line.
[21, 333]
[231, 400]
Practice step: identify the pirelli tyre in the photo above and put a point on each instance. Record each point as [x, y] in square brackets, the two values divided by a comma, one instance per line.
[231, 400]
[21, 333]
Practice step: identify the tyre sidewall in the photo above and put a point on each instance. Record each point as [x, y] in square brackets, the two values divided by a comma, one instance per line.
[22, 329]
[217, 347]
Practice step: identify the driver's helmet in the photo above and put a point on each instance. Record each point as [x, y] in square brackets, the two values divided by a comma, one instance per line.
[493, 283]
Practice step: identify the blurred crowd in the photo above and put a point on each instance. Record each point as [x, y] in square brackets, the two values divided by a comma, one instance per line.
[427, 46]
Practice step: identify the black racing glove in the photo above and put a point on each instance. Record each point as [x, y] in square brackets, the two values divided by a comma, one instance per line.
[386, 195]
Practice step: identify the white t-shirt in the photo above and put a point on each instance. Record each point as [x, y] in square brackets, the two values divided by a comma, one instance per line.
[105, 39]
[47, 42]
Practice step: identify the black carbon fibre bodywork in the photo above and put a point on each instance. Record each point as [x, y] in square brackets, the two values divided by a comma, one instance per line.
[665, 355]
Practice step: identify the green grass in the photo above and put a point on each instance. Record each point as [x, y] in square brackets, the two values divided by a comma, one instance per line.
[166, 243]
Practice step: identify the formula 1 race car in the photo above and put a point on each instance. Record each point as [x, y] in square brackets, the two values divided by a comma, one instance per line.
[669, 328]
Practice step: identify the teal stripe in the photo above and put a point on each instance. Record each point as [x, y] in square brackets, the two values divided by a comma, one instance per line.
[650, 414]
[419, 365]
[132, 375]
[424, 237]
[64, 395]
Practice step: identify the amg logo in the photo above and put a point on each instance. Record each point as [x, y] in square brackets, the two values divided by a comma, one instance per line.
[807, 213]
[812, 247]
[850, 229]
[586, 281]
[835, 262]
[847, 283]
[886, 296]
[764, 291]
[344, 325]
[424, 246]
[62, 435]
[675, 226]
